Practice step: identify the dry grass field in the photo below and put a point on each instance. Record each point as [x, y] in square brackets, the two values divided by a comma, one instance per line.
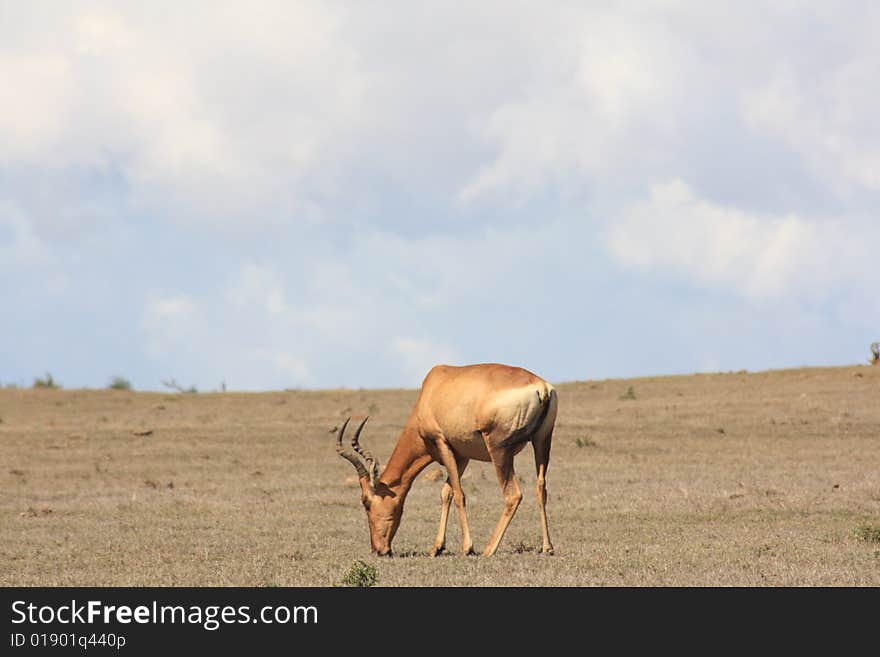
[724, 479]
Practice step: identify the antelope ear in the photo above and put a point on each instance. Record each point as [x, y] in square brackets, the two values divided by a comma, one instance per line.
[367, 491]
[382, 490]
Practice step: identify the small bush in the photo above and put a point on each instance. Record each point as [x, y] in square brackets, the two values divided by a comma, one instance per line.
[119, 383]
[868, 533]
[629, 394]
[586, 441]
[361, 574]
[47, 382]
[174, 385]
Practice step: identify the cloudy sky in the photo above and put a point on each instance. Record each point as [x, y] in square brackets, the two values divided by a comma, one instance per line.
[321, 194]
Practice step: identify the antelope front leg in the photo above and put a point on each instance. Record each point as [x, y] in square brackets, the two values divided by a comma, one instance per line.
[449, 461]
[445, 501]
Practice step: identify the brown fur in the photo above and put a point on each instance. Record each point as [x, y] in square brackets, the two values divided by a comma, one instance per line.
[484, 412]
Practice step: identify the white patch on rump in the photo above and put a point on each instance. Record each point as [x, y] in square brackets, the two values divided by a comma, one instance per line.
[515, 408]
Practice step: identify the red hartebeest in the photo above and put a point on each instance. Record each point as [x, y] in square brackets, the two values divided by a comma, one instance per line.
[477, 412]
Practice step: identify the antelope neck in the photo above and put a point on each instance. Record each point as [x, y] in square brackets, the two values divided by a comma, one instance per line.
[408, 459]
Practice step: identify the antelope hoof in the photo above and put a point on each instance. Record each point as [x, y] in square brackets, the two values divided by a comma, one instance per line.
[469, 552]
[548, 550]
[436, 551]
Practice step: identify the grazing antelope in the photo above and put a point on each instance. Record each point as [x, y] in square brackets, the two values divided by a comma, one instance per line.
[478, 412]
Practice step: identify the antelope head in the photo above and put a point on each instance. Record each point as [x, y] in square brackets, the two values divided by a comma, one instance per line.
[381, 504]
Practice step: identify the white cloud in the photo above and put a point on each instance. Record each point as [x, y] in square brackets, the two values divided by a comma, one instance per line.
[19, 245]
[216, 114]
[758, 255]
[265, 292]
[258, 115]
[169, 309]
[32, 123]
[821, 100]
[98, 33]
[382, 309]
[364, 193]
[612, 106]
[293, 367]
[419, 355]
[171, 321]
[639, 89]
[257, 286]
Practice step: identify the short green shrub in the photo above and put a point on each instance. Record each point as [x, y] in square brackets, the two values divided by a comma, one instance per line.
[174, 385]
[868, 533]
[119, 383]
[361, 574]
[629, 394]
[47, 382]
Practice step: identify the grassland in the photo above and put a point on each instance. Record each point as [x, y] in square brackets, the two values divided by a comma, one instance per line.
[725, 479]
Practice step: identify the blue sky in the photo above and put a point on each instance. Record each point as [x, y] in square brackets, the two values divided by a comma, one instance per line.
[320, 194]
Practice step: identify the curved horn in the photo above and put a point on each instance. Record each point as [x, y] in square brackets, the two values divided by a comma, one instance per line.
[365, 453]
[348, 456]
